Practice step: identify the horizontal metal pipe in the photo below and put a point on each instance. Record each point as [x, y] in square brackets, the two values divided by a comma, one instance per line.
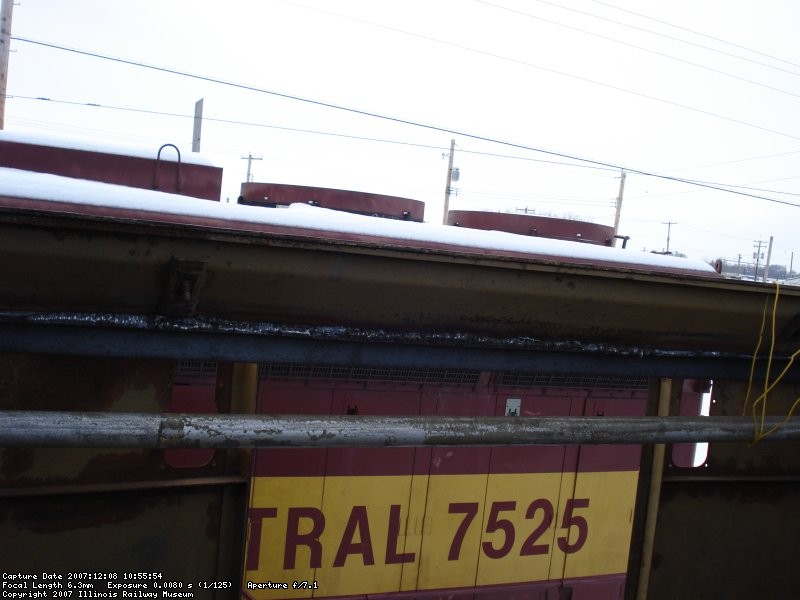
[140, 430]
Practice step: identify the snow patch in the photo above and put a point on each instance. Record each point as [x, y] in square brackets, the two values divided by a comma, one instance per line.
[26, 184]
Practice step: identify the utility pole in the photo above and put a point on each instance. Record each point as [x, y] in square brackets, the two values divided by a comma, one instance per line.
[619, 207]
[739, 265]
[449, 182]
[757, 256]
[198, 123]
[669, 225]
[5, 48]
[250, 158]
[769, 257]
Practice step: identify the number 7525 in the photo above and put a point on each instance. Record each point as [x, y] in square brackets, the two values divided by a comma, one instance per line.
[531, 545]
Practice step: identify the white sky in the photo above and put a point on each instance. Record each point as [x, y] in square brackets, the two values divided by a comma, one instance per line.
[498, 69]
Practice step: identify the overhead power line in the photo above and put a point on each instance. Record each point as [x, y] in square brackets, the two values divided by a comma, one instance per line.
[710, 37]
[400, 120]
[308, 131]
[656, 52]
[671, 37]
[548, 69]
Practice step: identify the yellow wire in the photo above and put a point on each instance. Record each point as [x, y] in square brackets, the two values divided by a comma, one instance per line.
[758, 425]
[755, 356]
[763, 398]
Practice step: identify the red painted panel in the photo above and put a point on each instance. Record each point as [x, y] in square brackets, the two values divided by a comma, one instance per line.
[452, 460]
[373, 461]
[613, 457]
[291, 462]
[192, 398]
[548, 227]
[198, 181]
[272, 194]
[609, 587]
[530, 459]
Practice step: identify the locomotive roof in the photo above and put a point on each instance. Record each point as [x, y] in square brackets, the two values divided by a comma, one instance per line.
[69, 195]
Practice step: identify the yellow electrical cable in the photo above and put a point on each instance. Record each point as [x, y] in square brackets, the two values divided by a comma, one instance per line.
[759, 424]
[755, 356]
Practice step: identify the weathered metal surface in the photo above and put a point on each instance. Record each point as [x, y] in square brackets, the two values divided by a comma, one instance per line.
[46, 383]
[533, 225]
[125, 430]
[732, 539]
[197, 180]
[756, 461]
[190, 535]
[278, 194]
[296, 279]
[130, 335]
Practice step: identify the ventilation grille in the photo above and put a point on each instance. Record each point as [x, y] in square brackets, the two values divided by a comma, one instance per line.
[515, 379]
[445, 376]
[196, 367]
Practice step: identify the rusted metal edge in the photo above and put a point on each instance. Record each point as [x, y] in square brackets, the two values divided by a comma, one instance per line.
[137, 336]
[121, 486]
[140, 430]
[212, 324]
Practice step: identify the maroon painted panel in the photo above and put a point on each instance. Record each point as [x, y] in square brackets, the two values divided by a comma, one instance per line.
[609, 587]
[291, 462]
[452, 460]
[601, 587]
[373, 461]
[193, 398]
[613, 457]
[198, 181]
[547, 227]
[272, 194]
[530, 459]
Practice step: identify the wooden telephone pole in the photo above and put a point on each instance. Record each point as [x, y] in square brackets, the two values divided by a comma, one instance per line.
[448, 187]
[5, 48]
[618, 212]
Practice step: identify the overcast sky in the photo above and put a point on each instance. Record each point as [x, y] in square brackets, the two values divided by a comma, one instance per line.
[700, 90]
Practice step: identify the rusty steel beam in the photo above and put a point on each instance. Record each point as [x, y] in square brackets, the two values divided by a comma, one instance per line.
[141, 430]
[122, 263]
[134, 336]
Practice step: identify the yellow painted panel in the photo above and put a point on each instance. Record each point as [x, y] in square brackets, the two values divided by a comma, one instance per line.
[414, 531]
[566, 491]
[530, 553]
[370, 535]
[280, 493]
[612, 500]
[451, 540]
[361, 551]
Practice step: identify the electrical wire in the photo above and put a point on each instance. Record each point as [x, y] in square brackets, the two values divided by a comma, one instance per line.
[548, 70]
[656, 52]
[732, 162]
[408, 122]
[371, 139]
[670, 37]
[309, 131]
[228, 121]
[708, 37]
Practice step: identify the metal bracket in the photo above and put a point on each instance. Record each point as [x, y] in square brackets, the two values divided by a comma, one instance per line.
[183, 283]
[513, 406]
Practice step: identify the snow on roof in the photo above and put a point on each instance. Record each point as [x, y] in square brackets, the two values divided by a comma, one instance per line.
[71, 143]
[26, 184]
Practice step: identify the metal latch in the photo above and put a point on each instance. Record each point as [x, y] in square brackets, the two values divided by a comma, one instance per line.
[513, 406]
[183, 283]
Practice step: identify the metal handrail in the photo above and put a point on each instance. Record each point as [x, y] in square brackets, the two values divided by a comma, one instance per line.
[152, 430]
[178, 178]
